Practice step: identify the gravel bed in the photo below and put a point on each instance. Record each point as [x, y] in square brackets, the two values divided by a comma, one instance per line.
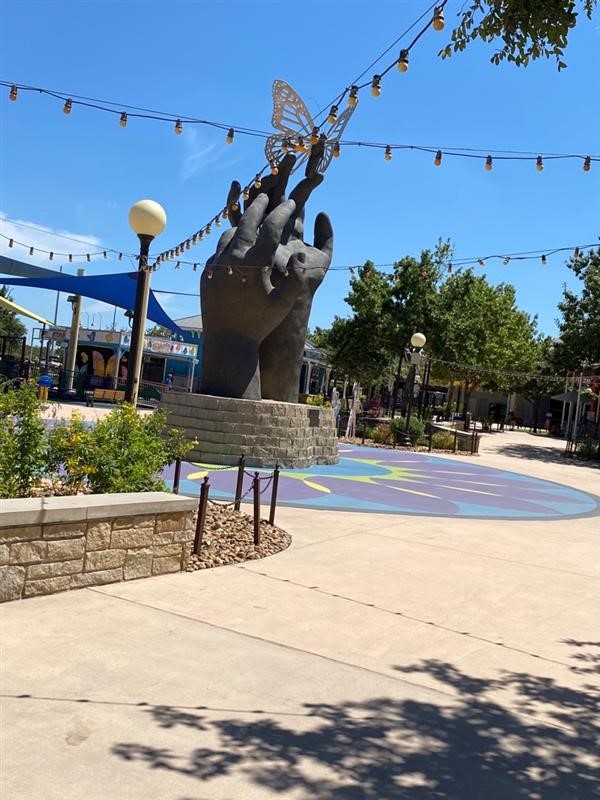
[229, 539]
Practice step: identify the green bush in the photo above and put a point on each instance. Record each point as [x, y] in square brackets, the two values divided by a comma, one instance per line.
[382, 434]
[22, 441]
[416, 429]
[442, 440]
[123, 452]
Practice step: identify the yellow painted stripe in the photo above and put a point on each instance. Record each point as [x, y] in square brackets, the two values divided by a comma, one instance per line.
[318, 487]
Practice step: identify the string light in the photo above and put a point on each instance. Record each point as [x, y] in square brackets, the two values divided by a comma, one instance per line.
[388, 153]
[224, 215]
[246, 194]
[544, 261]
[88, 257]
[217, 221]
[178, 127]
[274, 168]
[257, 181]
[337, 150]
[195, 267]
[229, 271]
[489, 163]
[11, 242]
[51, 256]
[481, 262]
[300, 146]
[178, 265]
[376, 86]
[31, 251]
[120, 256]
[403, 61]
[353, 97]
[207, 230]
[539, 164]
[332, 116]
[576, 253]
[209, 274]
[243, 277]
[13, 93]
[70, 258]
[449, 268]
[587, 164]
[123, 119]
[230, 136]
[104, 254]
[506, 261]
[438, 158]
[438, 18]
[314, 136]
[68, 106]
[235, 206]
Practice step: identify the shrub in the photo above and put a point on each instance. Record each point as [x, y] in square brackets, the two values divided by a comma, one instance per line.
[22, 441]
[124, 452]
[382, 434]
[442, 440]
[416, 429]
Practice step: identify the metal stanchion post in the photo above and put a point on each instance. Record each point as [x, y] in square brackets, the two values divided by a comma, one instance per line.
[201, 515]
[177, 476]
[274, 495]
[240, 483]
[256, 492]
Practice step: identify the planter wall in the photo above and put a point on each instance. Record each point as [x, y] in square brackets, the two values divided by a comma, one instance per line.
[51, 544]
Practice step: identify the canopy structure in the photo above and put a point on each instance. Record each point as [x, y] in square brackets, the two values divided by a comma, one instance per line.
[565, 397]
[23, 312]
[116, 289]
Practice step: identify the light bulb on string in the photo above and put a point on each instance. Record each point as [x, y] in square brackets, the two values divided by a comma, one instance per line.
[200, 235]
[123, 119]
[257, 181]
[188, 244]
[13, 92]
[246, 194]
[120, 256]
[243, 277]
[587, 164]
[481, 262]
[576, 252]
[209, 274]
[388, 153]
[88, 257]
[217, 222]
[229, 271]
[314, 136]
[300, 146]
[489, 163]
[332, 116]
[506, 261]
[51, 256]
[230, 136]
[336, 152]
[286, 145]
[195, 268]
[224, 213]
[31, 251]
[11, 242]
[544, 261]
[70, 258]
[438, 18]
[438, 158]
[68, 106]
[539, 164]
[376, 86]
[274, 168]
[235, 206]
[178, 265]
[178, 127]
[353, 96]
[402, 63]
[104, 254]
[207, 230]
[449, 267]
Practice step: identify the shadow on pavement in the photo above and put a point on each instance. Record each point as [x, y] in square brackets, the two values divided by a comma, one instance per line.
[541, 743]
[541, 453]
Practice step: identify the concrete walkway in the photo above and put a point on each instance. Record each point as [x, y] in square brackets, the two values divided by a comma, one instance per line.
[380, 657]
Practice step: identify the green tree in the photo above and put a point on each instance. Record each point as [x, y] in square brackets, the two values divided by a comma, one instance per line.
[528, 29]
[157, 330]
[482, 330]
[538, 382]
[9, 324]
[579, 324]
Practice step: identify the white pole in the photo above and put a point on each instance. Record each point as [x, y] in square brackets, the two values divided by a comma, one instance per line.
[576, 420]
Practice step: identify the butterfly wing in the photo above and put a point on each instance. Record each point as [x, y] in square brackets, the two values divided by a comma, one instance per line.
[291, 117]
[98, 364]
[334, 135]
[111, 367]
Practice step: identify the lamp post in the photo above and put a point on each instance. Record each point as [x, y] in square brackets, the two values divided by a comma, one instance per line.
[417, 343]
[148, 219]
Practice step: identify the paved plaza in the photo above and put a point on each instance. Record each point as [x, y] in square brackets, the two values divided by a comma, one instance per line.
[383, 656]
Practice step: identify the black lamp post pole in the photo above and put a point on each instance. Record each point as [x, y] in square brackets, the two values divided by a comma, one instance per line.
[139, 322]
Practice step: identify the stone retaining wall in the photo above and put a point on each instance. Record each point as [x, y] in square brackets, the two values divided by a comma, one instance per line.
[291, 434]
[52, 544]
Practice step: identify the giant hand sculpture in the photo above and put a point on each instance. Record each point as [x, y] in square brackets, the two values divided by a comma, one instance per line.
[280, 353]
[241, 306]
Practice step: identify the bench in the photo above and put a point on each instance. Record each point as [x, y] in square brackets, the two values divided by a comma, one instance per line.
[107, 395]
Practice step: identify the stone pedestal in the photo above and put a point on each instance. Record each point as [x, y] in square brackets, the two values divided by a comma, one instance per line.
[267, 432]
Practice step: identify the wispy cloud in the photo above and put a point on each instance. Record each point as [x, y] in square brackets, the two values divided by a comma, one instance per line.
[203, 153]
[42, 238]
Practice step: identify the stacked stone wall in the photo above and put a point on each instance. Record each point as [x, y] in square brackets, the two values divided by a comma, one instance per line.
[135, 540]
[267, 432]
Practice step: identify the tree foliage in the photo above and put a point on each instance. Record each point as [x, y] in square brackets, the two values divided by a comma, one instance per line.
[9, 324]
[579, 324]
[528, 29]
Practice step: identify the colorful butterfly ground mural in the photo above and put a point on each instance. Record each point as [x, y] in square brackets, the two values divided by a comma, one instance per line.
[395, 482]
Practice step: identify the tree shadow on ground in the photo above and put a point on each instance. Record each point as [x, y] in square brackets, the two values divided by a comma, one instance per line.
[536, 452]
[518, 736]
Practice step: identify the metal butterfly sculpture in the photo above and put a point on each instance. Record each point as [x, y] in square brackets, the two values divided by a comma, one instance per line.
[292, 118]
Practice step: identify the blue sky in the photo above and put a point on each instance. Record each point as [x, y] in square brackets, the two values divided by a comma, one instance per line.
[217, 60]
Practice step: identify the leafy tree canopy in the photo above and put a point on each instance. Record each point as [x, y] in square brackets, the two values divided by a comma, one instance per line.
[9, 324]
[579, 323]
[528, 29]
